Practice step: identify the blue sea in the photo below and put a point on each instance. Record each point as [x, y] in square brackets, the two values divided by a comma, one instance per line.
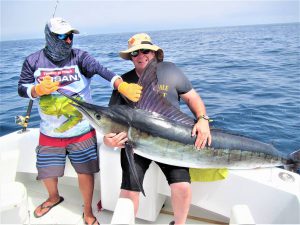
[248, 76]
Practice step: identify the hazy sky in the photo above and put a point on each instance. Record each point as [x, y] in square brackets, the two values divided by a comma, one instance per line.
[26, 19]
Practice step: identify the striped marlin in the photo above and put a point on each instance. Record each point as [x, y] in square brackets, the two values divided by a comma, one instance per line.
[161, 132]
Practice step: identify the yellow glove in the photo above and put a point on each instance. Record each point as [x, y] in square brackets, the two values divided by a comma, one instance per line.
[131, 91]
[46, 87]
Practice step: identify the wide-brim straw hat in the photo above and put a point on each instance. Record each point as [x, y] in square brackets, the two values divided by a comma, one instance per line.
[141, 41]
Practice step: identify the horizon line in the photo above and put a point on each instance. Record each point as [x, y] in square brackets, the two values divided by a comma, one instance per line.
[160, 30]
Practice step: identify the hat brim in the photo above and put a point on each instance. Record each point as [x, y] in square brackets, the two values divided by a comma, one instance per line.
[75, 31]
[126, 54]
[65, 31]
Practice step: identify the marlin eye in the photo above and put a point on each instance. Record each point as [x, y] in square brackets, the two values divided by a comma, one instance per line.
[98, 117]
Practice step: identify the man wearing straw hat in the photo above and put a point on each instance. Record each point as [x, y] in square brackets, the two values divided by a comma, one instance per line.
[173, 85]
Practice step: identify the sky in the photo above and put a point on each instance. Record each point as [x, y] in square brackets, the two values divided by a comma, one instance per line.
[22, 19]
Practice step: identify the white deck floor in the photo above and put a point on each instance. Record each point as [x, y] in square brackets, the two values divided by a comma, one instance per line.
[70, 211]
[272, 195]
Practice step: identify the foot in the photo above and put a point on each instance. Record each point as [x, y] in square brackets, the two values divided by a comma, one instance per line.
[90, 220]
[46, 206]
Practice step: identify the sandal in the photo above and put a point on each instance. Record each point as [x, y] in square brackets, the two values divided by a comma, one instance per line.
[49, 207]
[95, 221]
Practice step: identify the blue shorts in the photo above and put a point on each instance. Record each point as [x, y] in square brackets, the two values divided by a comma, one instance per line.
[52, 152]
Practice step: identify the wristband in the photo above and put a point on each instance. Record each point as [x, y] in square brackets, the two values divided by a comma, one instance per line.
[116, 77]
[205, 117]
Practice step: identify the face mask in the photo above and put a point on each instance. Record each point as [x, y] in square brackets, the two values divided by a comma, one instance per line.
[56, 49]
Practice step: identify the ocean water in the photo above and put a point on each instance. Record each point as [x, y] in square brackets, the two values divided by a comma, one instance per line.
[248, 76]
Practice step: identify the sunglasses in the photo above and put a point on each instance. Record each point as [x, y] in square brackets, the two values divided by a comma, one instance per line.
[65, 36]
[137, 52]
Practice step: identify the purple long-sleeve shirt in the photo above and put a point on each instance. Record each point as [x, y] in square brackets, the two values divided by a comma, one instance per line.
[58, 118]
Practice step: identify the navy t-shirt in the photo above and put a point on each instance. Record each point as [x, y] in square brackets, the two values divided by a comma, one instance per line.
[171, 83]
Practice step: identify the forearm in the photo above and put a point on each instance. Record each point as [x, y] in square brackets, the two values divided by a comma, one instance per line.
[197, 107]
[195, 103]
[90, 66]
[201, 127]
[25, 90]
[108, 75]
[26, 80]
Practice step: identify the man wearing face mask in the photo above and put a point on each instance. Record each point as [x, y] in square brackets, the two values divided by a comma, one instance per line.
[63, 130]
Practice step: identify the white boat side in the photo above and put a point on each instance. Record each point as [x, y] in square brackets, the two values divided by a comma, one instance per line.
[271, 195]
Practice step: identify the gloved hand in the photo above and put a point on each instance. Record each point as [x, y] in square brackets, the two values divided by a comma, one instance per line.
[46, 87]
[130, 90]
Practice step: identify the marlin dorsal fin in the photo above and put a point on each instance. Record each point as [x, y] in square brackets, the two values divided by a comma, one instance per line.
[152, 101]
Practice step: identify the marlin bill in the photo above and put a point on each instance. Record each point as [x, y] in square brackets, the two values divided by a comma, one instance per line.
[161, 132]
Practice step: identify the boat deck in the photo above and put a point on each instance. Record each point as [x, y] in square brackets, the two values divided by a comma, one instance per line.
[70, 211]
[271, 195]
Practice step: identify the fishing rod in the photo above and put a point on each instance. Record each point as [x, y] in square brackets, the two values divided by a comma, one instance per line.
[55, 8]
[23, 121]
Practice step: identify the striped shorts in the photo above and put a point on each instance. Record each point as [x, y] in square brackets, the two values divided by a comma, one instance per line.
[52, 152]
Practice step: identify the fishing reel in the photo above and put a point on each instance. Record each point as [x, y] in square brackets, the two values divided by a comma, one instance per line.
[21, 120]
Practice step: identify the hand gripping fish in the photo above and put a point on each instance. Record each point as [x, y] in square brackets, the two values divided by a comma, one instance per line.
[161, 132]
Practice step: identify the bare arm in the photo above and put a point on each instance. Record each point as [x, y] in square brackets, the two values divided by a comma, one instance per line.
[201, 128]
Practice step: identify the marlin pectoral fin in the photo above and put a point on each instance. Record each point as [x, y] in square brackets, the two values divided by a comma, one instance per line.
[130, 158]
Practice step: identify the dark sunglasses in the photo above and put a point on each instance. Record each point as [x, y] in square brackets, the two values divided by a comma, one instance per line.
[65, 36]
[137, 52]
